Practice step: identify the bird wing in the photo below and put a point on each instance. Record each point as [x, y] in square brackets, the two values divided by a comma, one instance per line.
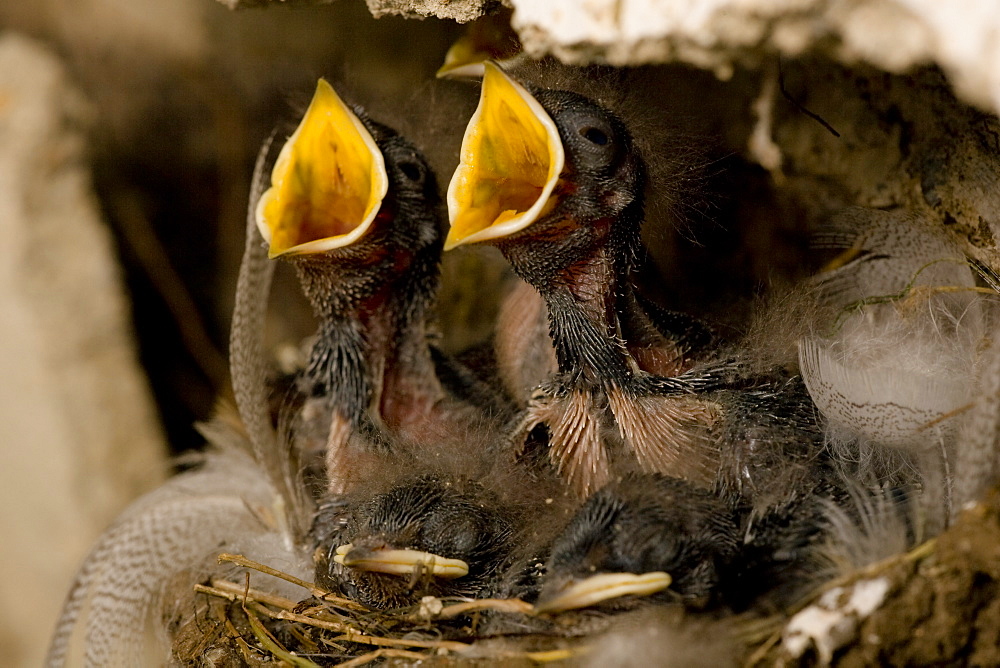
[669, 434]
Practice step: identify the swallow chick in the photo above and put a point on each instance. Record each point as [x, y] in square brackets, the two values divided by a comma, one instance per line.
[354, 207]
[642, 538]
[554, 181]
[431, 535]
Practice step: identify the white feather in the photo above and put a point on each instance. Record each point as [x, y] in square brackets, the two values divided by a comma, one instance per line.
[894, 370]
[892, 377]
[871, 526]
[894, 365]
[132, 578]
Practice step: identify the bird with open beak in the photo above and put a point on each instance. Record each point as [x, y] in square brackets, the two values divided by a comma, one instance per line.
[555, 182]
[354, 207]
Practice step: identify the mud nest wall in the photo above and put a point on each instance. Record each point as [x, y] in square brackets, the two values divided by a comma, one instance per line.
[798, 108]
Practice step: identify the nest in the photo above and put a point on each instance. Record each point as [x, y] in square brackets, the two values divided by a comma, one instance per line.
[937, 604]
[242, 625]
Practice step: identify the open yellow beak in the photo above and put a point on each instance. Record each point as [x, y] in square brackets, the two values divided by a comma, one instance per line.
[327, 184]
[604, 587]
[400, 562]
[511, 160]
[487, 38]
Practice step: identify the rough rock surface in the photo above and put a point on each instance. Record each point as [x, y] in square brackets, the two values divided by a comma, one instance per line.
[958, 36]
[446, 9]
[78, 433]
[462, 11]
[883, 140]
[718, 34]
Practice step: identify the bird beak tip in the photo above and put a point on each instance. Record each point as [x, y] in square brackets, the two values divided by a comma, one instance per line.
[301, 212]
[472, 70]
[604, 587]
[511, 160]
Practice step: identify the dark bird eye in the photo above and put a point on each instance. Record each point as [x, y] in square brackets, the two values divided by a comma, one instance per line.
[411, 170]
[595, 136]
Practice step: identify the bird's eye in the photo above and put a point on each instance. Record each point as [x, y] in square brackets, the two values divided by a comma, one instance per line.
[595, 135]
[411, 170]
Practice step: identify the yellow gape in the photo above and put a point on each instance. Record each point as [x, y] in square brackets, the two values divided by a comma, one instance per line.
[327, 184]
[401, 562]
[604, 587]
[512, 157]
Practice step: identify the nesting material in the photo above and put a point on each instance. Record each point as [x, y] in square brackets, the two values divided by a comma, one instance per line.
[894, 363]
[937, 604]
[324, 629]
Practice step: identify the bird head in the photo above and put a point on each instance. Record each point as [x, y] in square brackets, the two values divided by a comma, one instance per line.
[550, 167]
[642, 536]
[424, 537]
[341, 180]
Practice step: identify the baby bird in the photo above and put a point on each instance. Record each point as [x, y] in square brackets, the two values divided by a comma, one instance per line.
[646, 535]
[655, 539]
[554, 181]
[429, 535]
[354, 207]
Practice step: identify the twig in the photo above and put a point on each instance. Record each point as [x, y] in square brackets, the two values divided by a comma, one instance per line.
[240, 560]
[351, 634]
[761, 652]
[551, 655]
[380, 653]
[234, 634]
[270, 643]
[139, 235]
[215, 610]
[798, 105]
[232, 591]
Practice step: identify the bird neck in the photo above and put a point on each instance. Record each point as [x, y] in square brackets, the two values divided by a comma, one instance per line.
[583, 304]
[372, 334]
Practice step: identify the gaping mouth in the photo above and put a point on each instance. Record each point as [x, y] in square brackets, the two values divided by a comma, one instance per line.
[511, 160]
[605, 587]
[327, 184]
[400, 562]
[486, 38]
